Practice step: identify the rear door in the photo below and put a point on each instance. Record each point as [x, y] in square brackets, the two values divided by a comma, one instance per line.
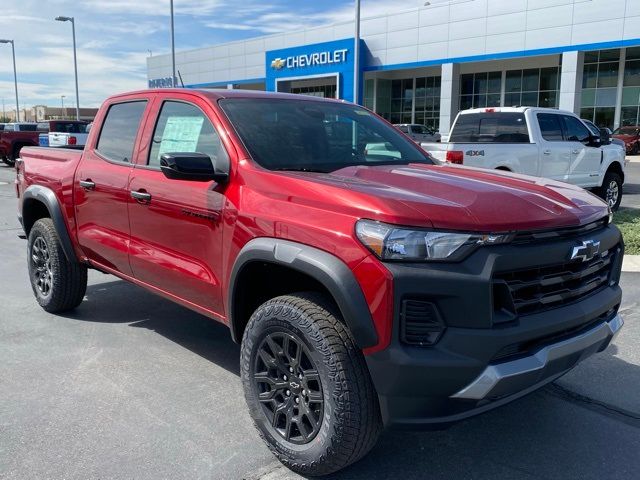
[555, 153]
[101, 192]
[176, 229]
[584, 169]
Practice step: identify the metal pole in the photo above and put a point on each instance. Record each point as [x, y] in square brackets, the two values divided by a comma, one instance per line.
[173, 50]
[356, 56]
[75, 66]
[62, 112]
[15, 80]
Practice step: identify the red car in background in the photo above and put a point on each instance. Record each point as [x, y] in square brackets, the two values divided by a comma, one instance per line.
[630, 135]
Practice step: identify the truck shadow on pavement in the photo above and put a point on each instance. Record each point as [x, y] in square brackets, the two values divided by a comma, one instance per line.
[122, 302]
[545, 435]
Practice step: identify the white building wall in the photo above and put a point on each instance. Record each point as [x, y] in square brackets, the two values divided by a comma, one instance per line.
[435, 33]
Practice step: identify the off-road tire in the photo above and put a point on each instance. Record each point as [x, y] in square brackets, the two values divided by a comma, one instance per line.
[607, 183]
[67, 281]
[351, 419]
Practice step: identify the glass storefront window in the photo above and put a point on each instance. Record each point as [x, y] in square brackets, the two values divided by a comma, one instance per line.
[478, 90]
[600, 86]
[395, 100]
[535, 87]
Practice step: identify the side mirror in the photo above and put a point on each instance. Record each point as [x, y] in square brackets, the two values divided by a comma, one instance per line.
[196, 167]
[605, 136]
[594, 141]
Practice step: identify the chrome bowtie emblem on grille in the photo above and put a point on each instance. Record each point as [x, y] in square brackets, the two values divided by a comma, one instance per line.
[586, 251]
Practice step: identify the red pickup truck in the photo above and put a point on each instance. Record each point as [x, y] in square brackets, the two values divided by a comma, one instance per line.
[12, 140]
[368, 287]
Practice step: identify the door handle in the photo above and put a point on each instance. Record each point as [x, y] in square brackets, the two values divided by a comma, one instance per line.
[87, 184]
[141, 196]
[547, 152]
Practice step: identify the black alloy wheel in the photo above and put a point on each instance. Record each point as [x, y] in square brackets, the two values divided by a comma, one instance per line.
[41, 273]
[289, 387]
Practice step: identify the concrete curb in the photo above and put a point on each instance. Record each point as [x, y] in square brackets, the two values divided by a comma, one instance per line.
[631, 263]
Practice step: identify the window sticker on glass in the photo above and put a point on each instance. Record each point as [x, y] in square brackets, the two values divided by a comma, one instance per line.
[181, 134]
[360, 111]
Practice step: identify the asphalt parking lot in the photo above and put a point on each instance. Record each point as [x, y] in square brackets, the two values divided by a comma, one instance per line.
[132, 386]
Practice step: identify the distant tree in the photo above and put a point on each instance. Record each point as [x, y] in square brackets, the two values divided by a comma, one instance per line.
[5, 120]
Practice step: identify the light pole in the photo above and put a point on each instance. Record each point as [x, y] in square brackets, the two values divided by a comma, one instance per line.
[75, 61]
[356, 56]
[173, 49]
[15, 76]
[62, 112]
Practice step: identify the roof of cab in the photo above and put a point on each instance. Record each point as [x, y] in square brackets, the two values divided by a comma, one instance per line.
[511, 110]
[216, 94]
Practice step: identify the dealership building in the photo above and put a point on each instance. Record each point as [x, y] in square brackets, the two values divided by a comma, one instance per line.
[425, 64]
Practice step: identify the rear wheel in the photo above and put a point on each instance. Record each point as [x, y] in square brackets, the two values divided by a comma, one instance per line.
[635, 150]
[58, 284]
[307, 385]
[611, 190]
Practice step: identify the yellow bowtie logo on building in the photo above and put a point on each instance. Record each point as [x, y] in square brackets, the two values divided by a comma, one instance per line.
[278, 63]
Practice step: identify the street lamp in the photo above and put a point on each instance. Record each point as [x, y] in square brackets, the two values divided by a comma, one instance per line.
[63, 114]
[173, 49]
[15, 76]
[356, 56]
[75, 61]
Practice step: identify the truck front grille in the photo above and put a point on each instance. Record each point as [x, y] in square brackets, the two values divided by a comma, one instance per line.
[537, 289]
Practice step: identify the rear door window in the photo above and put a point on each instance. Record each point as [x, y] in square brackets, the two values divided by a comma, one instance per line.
[120, 129]
[490, 127]
[550, 127]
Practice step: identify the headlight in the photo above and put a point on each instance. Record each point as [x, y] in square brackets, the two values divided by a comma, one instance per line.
[397, 243]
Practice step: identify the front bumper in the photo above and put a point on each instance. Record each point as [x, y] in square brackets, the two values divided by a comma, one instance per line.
[467, 372]
[507, 378]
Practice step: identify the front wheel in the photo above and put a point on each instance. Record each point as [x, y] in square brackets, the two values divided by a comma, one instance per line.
[611, 190]
[58, 284]
[307, 385]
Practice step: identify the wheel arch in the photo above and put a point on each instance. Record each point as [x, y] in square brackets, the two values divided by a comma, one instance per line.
[615, 167]
[268, 267]
[40, 202]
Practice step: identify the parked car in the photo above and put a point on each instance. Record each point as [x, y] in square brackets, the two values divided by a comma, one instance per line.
[69, 134]
[544, 142]
[605, 133]
[15, 136]
[367, 286]
[630, 136]
[419, 133]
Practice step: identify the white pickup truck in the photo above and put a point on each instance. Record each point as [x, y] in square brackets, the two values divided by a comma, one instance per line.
[542, 142]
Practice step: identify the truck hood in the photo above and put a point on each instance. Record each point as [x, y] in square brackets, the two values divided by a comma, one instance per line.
[463, 198]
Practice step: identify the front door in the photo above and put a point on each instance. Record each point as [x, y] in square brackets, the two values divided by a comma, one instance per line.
[101, 188]
[584, 169]
[176, 225]
[555, 154]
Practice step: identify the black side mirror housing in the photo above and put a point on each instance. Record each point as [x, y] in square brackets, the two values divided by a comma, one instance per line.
[192, 166]
[594, 141]
[605, 136]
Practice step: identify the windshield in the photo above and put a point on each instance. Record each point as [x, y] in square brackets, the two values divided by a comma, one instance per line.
[317, 136]
[626, 131]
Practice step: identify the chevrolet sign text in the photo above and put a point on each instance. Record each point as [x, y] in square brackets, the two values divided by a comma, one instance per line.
[311, 59]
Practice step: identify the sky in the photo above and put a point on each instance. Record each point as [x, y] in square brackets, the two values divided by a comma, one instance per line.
[114, 37]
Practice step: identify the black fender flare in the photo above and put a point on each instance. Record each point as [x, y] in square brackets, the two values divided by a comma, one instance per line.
[322, 266]
[44, 195]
